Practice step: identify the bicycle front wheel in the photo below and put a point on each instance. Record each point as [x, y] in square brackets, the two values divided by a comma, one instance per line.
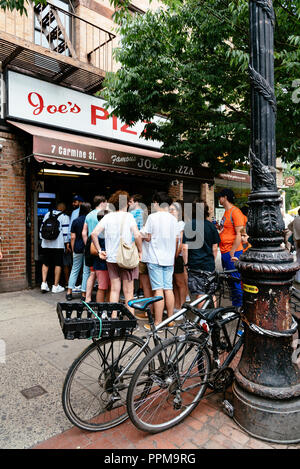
[168, 384]
[94, 397]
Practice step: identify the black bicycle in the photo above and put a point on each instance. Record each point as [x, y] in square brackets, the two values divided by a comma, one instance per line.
[172, 379]
[95, 387]
[219, 284]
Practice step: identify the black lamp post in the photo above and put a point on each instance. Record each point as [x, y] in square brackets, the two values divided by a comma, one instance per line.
[267, 382]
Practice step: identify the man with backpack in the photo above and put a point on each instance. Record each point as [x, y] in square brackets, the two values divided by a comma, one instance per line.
[54, 234]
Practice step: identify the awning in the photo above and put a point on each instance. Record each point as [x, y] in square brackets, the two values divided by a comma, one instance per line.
[56, 147]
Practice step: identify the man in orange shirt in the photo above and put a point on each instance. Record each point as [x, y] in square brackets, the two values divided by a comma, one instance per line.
[231, 248]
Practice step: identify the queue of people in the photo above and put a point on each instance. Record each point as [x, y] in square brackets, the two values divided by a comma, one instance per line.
[171, 257]
[172, 254]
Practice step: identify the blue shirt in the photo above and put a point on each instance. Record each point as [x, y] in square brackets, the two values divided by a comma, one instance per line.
[92, 221]
[138, 216]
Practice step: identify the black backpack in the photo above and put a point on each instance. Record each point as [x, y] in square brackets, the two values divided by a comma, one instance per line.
[51, 227]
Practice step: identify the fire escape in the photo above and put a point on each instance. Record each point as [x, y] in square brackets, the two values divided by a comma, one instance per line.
[55, 44]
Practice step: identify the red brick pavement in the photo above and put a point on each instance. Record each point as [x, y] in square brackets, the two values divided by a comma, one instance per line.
[208, 427]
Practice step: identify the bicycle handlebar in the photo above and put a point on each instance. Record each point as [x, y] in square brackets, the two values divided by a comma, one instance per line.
[194, 310]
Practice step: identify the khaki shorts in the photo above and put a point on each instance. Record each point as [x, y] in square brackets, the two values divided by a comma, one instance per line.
[124, 274]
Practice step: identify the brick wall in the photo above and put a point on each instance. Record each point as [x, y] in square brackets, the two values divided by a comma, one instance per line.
[12, 215]
[176, 192]
[207, 194]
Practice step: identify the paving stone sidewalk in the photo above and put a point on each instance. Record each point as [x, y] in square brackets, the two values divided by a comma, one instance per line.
[208, 427]
[38, 355]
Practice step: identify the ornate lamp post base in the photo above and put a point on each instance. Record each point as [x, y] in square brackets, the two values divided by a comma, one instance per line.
[271, 420]
[267, 386]
[267, 381]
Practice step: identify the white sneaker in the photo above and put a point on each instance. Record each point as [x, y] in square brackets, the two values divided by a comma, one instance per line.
[77, 289]
[44, 287]
[57, 289]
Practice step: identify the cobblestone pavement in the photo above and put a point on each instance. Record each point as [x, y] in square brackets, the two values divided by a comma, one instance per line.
[208, 427]
[38, 355]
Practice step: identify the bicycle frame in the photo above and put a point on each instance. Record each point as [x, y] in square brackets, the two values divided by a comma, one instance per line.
[154, 334]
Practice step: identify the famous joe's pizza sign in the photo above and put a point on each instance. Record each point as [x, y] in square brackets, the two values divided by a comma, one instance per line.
[45, 103]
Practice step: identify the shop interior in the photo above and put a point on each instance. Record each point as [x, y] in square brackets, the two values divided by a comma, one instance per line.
[60, 183]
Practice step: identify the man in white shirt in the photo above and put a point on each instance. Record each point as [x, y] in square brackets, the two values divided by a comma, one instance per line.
[114, 225]
[161, 231]
[53, 250]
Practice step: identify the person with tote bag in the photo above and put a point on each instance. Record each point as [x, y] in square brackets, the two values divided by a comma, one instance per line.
[121, 254]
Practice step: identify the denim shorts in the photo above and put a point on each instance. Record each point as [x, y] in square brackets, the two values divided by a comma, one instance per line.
[161, 276]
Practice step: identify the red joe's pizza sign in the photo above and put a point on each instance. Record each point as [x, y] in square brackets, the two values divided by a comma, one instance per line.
[40, 102]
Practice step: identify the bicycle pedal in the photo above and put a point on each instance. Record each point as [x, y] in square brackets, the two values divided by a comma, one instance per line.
[228, 407]
[116, 398]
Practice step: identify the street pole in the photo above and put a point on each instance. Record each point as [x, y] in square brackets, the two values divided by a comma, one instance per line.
[267, 380]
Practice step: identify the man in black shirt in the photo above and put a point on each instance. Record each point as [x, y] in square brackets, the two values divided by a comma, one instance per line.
[200, 259]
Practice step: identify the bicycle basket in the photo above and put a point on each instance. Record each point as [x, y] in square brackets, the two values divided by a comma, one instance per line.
[78, 322]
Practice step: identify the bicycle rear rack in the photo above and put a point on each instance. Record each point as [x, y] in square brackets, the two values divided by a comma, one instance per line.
[77, 321]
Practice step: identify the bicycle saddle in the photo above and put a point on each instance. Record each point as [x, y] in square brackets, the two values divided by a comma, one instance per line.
[142, 303]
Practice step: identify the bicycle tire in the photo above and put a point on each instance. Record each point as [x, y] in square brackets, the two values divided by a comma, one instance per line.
[153, 400]
[87, 396]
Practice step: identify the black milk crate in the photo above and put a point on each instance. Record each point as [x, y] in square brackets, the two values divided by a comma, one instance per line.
[78, 322]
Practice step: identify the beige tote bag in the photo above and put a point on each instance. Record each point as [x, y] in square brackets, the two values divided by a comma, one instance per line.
[127, 255]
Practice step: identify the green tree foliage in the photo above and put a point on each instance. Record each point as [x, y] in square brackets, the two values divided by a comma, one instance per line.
[189, 62]
[18, 5]
[292, 194]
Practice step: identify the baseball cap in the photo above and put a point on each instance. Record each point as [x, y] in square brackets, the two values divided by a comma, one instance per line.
[78, 197]
[226, 193]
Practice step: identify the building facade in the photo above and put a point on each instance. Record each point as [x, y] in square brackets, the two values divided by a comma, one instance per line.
[56, 138]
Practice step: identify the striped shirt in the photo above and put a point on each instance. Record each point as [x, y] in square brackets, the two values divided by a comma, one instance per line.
[63, 237]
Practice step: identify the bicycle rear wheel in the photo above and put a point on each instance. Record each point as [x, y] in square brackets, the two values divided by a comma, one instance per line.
[168, 384]
[91, 398]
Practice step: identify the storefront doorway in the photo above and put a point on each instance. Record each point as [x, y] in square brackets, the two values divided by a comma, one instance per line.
[63, 182]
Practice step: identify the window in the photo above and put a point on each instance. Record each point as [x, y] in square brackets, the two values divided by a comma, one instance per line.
[53, 26]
